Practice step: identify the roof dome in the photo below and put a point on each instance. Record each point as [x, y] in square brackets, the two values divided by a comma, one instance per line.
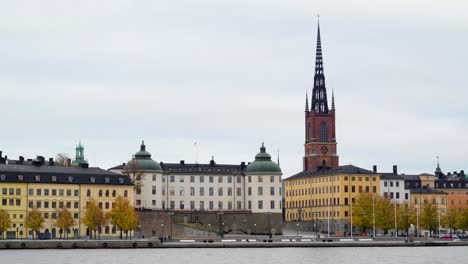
[143, 161]
[263, 163]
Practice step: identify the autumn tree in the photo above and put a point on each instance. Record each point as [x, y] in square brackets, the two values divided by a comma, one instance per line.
[123, 216]
[449, 219]
[384, 214]
[362, 212]
[93, 218]
[429, 217]
[64, 221]
[61, 159]
[462, 219]
[406, 216]
[5, 221]
[34, 221]
[135, 173]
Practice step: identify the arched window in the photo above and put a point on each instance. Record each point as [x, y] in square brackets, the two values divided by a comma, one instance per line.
[88, 192]
[100, 193]
[113, 193]
[125, 193]
[323, 132]
[308, 131]
[107, 193]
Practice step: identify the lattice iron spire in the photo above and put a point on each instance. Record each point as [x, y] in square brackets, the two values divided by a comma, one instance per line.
[319, 93]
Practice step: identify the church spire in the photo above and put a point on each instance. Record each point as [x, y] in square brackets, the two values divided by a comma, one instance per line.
[319, 93]
[307, 103]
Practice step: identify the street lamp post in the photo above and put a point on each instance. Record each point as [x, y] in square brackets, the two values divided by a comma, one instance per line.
[21, 231]
[162, 230]
[255, 230]
[209, 230]
[297, 230]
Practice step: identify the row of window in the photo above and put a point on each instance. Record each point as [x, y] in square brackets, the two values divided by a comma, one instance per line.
[395, 195]
[53, 204]
[329, 189]
[329, 179]
[37, 178]
[211, 205]
[426, 200]
[211, 179]
[386, 183]
[53, 192]
[211, 191]
[313, 215]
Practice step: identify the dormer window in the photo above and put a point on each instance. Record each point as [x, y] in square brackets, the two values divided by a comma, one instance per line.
[2, 177]
[54, 178]
[70, 179]
[20, 177]
[107, 179]
[121, 180]
[92, 180]
[38, 178]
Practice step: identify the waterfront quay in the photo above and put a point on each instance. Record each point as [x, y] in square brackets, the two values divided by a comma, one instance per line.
[222, 243]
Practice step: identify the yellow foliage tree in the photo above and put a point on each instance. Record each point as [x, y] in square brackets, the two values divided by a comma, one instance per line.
[384, 213]
[93, 218]
[429, 217]
[65, 221]
[406, 216]
[362, 212]
[123, 216]
[5, 221]
[462, 219]
[34, 221]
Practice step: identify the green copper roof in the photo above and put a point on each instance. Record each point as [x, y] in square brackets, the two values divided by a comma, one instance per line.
[263, 163]
[143, 161]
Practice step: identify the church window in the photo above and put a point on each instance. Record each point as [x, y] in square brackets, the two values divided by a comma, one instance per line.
[323, 132]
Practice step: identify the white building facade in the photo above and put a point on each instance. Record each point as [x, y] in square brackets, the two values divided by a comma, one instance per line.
[255, 187]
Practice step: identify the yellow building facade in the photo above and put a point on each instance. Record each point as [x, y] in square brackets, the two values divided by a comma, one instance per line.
[49, 188]
[324, 198]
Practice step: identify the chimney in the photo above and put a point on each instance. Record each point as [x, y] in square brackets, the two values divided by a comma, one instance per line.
[68, 162]
[395, 169]
[242, 166]
[182, 162]
[374, 168]
[1, 154]
[462, 172]
[51, 161]
[21, 160]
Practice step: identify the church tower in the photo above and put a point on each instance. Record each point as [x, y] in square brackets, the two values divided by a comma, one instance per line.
[79, 155]
[320, 150]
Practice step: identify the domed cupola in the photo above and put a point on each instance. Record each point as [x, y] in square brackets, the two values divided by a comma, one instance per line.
[142, 161]
[263, 164]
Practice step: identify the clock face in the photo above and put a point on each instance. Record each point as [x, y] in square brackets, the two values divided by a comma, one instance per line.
[324, 149]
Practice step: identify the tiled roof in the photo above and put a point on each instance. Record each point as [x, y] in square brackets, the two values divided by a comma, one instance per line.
[11, 173]
[346, 169]
[391, 176]
[193, 168]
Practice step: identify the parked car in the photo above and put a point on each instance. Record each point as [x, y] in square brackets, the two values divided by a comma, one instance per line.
[448, 236]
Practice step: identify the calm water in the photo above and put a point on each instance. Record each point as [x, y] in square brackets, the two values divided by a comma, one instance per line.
[426, 255]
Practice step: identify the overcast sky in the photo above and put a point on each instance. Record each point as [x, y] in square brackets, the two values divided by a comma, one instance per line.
[231, 74]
